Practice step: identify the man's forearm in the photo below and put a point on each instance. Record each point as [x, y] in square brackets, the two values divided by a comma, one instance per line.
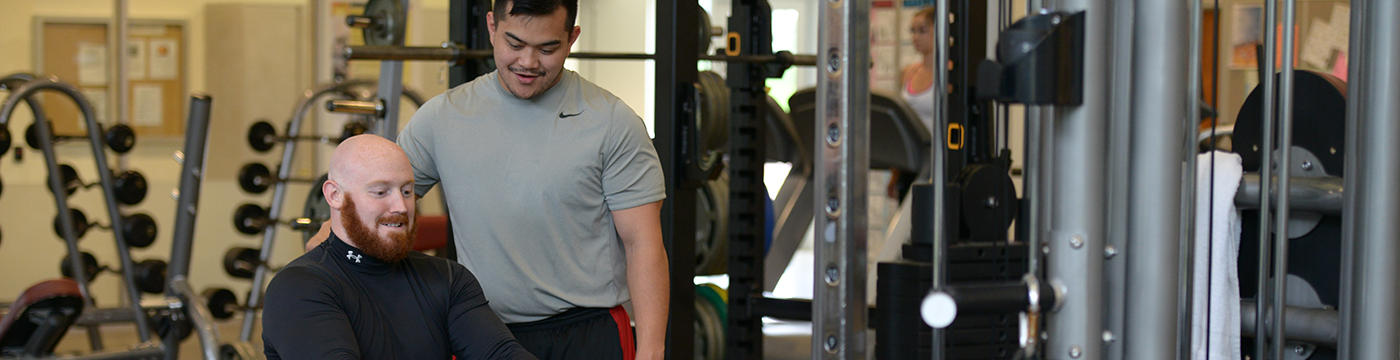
[648, 280]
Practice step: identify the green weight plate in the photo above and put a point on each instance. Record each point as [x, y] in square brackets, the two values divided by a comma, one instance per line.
[315, 209]
[712, 297]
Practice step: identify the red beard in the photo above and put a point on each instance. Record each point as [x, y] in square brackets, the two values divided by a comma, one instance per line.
[391, 249]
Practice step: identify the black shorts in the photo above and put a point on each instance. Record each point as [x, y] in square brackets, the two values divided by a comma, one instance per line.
[579, 333]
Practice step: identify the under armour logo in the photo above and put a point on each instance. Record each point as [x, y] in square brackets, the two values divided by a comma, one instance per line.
[351, 255]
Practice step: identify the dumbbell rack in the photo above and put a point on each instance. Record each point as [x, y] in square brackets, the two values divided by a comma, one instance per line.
[28, 85]
[349, 89]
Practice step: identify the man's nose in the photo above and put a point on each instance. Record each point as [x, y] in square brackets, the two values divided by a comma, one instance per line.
[530, 60]
[400, 205]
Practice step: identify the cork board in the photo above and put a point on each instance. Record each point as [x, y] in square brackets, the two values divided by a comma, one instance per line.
[77, 52]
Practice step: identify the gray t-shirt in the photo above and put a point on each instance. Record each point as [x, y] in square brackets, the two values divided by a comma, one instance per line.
[531, 185]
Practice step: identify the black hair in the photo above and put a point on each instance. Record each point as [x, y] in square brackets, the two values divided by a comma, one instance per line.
[538, 8]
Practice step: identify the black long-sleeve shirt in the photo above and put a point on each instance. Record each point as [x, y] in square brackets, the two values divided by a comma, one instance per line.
[335, 302]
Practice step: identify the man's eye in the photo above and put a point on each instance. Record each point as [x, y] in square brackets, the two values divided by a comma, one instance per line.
[516, 47]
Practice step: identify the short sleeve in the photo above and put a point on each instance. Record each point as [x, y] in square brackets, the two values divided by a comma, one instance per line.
[417, 139]
[631, 169]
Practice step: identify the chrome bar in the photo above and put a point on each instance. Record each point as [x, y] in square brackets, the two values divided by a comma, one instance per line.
[1285, 138]
[1154, 217]
[1323, 195]
[1371, 216]
[1316, 326]
[842, 163]
[1266, 154]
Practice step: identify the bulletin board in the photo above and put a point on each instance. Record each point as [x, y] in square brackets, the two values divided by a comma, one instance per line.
[77, 52]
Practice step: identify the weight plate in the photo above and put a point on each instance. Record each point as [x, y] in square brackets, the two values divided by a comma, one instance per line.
[150, 276]
[31, 135]
[68, 176]
[90, 267]
[139, 230]
[80, 224]
[131, 187]
[315, 209]
[714, 112]
[4, 139]
[241, 262]
[248, 219]
[712, 227]
[391, 21]
[120, 138]
[174, 323]
[253, 178]
[261, 136]
[715, 301]
[222, 303]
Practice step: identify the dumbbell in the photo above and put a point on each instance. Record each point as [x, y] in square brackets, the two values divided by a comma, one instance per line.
[241, 262]
[120, 138]
[251, 219]
[262, 136]
[222, 303]
[255, 178]
[149, 274]
[130, 186]
[138, 229]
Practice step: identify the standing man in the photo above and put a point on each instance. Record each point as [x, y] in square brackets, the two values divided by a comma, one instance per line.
[555, 191]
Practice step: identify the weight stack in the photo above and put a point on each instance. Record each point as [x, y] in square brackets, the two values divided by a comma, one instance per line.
[900, 332]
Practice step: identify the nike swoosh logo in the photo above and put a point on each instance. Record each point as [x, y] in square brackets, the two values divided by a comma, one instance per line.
[563, 115]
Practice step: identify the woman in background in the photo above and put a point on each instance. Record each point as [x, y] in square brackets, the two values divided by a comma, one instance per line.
[917, 79]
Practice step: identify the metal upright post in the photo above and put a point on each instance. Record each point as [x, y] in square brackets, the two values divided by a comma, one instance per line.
[842, 160]
[1076, 242]
[676, 105]
[1154, 231]
[940, 156]
[1120, 154]
[751, 30]
[1285, 144]
[1371, 219]
[390, 92]
[1267, 81]
[182, 243]
[1186, 277]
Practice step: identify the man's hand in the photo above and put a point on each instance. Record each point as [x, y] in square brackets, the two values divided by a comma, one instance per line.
[320, 237]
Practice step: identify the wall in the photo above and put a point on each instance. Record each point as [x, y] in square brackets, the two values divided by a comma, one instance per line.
[29, 250]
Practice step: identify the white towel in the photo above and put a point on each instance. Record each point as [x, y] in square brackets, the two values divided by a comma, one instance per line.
[1218, 242]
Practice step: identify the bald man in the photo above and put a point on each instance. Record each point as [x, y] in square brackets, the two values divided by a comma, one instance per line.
[363, 293]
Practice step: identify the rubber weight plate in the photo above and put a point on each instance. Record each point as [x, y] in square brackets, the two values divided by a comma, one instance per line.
[315, 209]
[714, 112]
[391, 21]
[712, 227]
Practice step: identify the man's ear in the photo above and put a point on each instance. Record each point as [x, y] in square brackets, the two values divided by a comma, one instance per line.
[491, 23]
[335, 197]
[573, 36]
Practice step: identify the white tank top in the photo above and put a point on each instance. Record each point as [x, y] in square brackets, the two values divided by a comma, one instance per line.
[921, 102]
